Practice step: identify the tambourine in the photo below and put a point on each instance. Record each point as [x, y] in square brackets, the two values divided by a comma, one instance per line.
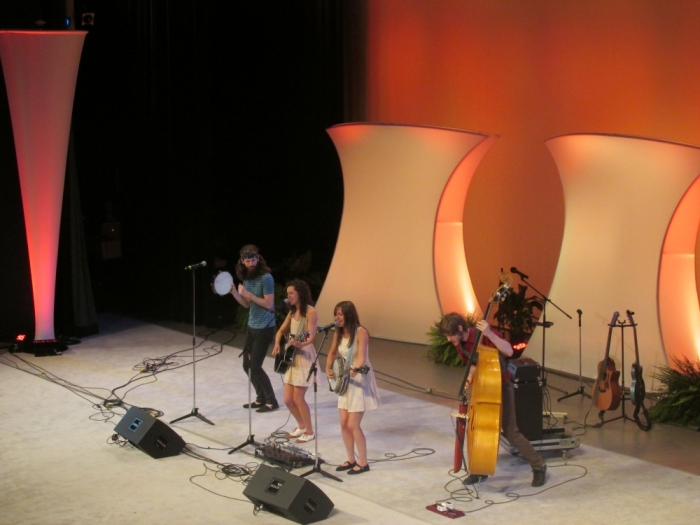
[223, 283]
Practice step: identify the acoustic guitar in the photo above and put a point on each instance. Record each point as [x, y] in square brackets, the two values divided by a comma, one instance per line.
[637, 389]
[606, 389]
[284, 359]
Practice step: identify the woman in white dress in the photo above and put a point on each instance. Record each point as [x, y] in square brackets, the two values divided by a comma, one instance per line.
[352, 340]
[301, 319]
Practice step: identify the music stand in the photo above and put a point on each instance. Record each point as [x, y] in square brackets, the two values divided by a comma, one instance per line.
[195, 410]
[580, 376]
[250, 440]
[314, 369]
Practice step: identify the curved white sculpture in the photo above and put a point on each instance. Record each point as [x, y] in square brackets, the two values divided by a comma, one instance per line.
[620, 194]
[400, 252]
[41, 68]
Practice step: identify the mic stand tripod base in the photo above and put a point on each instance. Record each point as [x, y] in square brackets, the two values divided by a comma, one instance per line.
[579, 392]
[249, 441]
[194, 413]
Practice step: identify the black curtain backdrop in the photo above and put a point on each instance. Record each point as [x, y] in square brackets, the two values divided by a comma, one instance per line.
[198, 126]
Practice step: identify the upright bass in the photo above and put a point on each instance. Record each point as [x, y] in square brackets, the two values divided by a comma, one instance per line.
[482, 412]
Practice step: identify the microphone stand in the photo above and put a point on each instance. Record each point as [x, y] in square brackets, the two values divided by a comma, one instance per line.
[580, 377]
[314, 369]
[544, 324]
[195, 410]
[250, 440]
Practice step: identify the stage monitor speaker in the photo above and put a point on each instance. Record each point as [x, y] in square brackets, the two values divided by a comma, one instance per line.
[291, 496]
[528, 409]
[149, 434]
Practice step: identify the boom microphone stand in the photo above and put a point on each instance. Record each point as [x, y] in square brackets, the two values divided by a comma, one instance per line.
[544, 324]
[314, 369]
[580, 377]
[195, 410]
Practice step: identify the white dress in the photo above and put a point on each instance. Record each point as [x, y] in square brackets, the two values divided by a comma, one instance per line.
[362, 393]
[301, 364]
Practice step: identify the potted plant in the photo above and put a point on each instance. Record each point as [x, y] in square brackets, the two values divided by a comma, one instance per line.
[516, 315]
[678, 400]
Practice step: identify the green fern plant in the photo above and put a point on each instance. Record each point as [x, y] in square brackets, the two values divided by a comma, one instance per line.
[679, 398]
[440, 349]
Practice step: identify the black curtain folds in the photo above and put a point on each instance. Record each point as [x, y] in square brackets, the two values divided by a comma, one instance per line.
[198, 126]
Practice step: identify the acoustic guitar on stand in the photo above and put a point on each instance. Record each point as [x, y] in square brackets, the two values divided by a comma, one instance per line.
[606, 389]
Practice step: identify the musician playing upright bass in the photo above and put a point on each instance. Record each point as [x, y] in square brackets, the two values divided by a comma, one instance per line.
[454, 327]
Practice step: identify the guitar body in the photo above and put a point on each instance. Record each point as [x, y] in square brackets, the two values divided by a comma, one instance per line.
[638, 389]
[607, 386]
[484, 434]
[285, 358]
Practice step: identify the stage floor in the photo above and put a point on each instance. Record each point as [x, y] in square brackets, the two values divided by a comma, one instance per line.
[61, 466]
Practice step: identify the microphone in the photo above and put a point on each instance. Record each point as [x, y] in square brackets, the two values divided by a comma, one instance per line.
[195, 266]
[283, 303]
[513, 269]
[327, 327]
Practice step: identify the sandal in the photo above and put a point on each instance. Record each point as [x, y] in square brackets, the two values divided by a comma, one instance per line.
[359, 470]
[345, 466]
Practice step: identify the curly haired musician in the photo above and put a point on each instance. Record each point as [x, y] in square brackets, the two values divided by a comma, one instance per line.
[257, 292]
[302, 317]
[456, 330]
[362, 393]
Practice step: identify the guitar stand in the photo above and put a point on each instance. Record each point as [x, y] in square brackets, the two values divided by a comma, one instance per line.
[624, 397]
[195, 410]
[250, 440]
[580, 377]
[314, 369]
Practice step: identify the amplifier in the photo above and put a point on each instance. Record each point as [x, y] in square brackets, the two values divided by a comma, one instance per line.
[523, 370]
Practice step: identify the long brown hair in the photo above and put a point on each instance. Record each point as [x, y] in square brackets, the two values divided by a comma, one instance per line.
[351, 320]
[304, 292]
[260, 269]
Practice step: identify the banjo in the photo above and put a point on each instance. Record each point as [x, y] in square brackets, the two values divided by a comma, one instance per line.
[338, 384]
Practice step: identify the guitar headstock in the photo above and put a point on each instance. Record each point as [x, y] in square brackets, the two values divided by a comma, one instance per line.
[629, 316]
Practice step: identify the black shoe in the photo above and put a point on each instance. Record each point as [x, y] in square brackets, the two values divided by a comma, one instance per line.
[539, 476]
[345, 466]
[254, 404]
[358, 471]
[473, 479]
[268, 408]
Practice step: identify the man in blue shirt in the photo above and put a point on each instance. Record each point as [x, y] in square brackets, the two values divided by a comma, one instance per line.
[257, 292]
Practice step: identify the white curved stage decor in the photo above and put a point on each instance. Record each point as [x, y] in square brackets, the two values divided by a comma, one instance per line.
[41, 68]
[620, 195]
[405, 189]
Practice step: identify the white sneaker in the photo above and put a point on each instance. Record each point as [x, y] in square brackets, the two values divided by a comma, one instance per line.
[296, 433]
[305, 438]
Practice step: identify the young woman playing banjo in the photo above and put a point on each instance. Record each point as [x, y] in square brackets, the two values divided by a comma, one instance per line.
[351, 342]
[301, 321]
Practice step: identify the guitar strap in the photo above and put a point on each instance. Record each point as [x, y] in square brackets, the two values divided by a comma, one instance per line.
[348, 361]
[300, 328]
